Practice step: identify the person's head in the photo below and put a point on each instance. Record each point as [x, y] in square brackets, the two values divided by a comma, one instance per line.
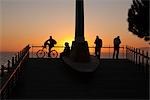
[118, 37]
[97, 36]
[66, 44]
[50, 37]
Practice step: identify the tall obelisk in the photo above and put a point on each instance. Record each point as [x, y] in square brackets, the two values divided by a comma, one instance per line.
[79, 49]
[79, 25]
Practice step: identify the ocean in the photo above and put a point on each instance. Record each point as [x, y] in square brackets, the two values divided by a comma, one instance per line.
[5, 56]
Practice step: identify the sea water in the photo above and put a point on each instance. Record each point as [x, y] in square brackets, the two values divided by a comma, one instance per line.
[5, 56]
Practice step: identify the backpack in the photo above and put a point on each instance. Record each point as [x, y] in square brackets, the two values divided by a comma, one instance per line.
[54, 42]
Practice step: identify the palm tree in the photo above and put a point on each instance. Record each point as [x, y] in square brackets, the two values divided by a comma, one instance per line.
[138, 19]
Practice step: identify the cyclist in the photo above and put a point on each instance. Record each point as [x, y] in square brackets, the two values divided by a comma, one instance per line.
[50, 42]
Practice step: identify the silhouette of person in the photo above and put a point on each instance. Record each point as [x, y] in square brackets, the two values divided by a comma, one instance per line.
[117, 42]
[66, 51]
[50, 42]
[98, 43]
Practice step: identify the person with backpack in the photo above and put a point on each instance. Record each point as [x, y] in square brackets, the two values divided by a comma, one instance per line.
[50, 42]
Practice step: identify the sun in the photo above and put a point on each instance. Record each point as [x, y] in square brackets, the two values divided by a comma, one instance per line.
[66, 39]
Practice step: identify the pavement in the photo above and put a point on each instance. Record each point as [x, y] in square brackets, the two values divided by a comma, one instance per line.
[53, 79]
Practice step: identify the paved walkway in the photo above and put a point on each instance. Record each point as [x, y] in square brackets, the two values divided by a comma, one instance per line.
[51, 78]
[82, 67]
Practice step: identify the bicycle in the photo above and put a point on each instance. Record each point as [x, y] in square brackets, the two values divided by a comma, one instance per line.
[42, 52]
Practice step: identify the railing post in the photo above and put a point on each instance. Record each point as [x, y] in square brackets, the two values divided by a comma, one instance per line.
[134, 53]
[130, 51]
[147, 59]
[143, 56]
[147, 66]
[27, 50]
[126, 52]
[8, 66]
[139, 57]
[136, 56]
[32, 51]
[2, 70]
[123, 52]
[18, 56]
[109, 50]
[13, 61]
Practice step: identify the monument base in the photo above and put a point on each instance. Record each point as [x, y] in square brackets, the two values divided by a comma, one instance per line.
[90, 66]
[80, 51]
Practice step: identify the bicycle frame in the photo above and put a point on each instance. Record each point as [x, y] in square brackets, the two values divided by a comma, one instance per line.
[42, 52]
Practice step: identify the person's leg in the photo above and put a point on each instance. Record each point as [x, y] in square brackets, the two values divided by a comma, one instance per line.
[98, 53]
[114, 53]
[95, 51]
[117, 53]
[49, 50]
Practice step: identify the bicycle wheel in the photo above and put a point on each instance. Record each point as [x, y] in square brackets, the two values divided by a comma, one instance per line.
[53, 54]
[40, 54]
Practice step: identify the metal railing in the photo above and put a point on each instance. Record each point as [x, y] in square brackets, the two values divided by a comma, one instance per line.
[106, 51]
[11, 72]
[139, 57]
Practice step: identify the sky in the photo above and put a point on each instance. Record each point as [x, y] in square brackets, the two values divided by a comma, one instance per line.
[31, 22]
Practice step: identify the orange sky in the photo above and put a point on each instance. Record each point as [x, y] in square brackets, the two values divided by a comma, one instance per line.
[25, 22]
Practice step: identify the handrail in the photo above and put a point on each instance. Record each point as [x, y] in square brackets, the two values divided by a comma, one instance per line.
[106, 54]
[11, 77]
[89, 46]
[139, 57]
[136, 51]
[41, 46]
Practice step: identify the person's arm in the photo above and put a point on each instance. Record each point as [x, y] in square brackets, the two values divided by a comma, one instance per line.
[102, 43]
[119, 41]
[45, 43]
[54, 41]
[95, 42]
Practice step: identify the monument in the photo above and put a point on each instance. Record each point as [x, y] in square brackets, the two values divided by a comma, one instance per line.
[80, 59]
[79, 49]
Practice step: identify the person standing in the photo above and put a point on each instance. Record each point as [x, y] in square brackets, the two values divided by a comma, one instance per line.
[117, 43]
[98, 43]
